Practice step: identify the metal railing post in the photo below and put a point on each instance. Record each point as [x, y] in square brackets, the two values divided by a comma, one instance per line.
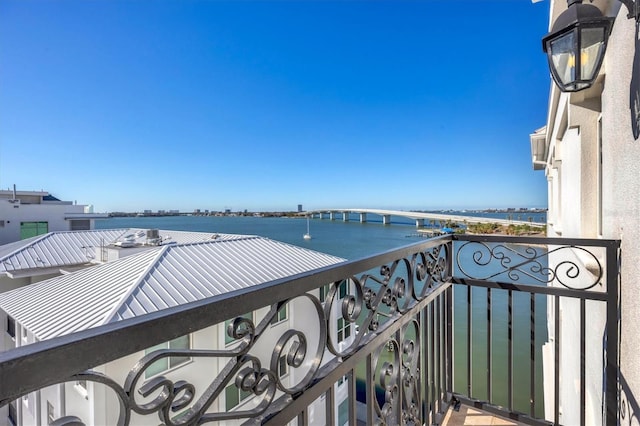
[612, 369]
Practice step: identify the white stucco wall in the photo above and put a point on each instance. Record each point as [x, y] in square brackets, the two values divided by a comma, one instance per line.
[574, 210]
[621, 198]
[14, 213]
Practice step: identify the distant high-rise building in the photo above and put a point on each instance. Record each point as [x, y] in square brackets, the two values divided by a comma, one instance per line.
[299, 208]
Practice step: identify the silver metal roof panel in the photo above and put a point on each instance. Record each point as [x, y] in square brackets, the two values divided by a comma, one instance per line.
[192, 272]
[77, 301]
[152, 280]
[55, 249]
[66, 248]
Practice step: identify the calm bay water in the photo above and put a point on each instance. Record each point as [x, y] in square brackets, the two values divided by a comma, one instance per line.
[353, 240]
[350, 240]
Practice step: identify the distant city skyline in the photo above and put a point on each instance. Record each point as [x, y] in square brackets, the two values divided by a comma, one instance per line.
[299, 210]
[264, 105]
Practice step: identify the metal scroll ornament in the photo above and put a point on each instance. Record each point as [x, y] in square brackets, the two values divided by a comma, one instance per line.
[378, 298]
[570, 266]
[374, 299]
[178, 402]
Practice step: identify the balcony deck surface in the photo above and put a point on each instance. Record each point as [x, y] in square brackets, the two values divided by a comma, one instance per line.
[473, 416]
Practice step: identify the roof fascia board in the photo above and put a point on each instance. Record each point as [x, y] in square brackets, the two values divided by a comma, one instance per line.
[34, 272]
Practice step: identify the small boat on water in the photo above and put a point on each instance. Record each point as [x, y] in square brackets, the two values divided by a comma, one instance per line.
[307, 236]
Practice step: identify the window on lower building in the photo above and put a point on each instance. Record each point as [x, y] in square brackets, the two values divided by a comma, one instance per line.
[234, 396]
[324, 290]
[228, 339]
[343, 289]
[282, 366]
[342, 380]
[80, 225]
[81, 388]
[280, 316]
[167, 363]
[33, 229]
[11, 327]
[13, 413]
[343, 413]
[344, 329]
[51, 416]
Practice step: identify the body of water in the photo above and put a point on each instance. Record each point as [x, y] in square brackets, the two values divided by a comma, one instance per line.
[350, 240]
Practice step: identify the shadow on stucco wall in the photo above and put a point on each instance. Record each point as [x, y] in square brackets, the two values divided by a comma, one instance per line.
[629, 409]
[634, 95]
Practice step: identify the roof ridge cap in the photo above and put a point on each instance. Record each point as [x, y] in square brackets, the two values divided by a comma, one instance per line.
[242, 238]
[116, 306]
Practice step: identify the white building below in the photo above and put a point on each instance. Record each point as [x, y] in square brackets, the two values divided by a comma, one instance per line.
[156, 278]
[25, 214]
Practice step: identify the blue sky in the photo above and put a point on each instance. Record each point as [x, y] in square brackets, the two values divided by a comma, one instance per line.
[262, 105]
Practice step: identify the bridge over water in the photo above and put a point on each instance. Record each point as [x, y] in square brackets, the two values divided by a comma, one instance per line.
[419, 217]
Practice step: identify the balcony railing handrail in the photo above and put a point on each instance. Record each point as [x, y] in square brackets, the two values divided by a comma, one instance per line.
[585, 242]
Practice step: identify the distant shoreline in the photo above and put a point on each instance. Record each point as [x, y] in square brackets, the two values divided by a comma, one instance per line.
[165, 213]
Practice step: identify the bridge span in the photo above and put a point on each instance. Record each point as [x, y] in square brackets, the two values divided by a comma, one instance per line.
[419, 217]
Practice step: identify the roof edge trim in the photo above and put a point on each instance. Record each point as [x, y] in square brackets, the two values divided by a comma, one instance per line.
[25, 247]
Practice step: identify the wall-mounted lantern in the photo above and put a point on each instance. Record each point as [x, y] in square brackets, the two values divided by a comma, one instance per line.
[576, 45]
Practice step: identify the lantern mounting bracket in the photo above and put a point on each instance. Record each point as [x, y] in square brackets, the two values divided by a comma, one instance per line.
[633, 8]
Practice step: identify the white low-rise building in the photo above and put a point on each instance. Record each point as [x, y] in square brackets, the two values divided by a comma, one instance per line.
[156, 278]
[25, 214]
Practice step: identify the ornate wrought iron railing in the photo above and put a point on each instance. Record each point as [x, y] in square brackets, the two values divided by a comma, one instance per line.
[553, 297]
[390, 339]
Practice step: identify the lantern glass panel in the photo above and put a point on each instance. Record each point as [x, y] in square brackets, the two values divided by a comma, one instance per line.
[591, 49]
[563, 57]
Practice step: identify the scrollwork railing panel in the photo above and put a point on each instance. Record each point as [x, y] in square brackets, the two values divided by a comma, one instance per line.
[570, 266]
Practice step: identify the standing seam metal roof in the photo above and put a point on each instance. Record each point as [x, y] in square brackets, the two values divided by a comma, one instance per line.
[67, 248]
[152, 280]
[187, 273]
[56, 249]
[77, 301]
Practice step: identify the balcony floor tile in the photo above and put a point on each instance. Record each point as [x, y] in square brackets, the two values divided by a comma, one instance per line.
[473, 416]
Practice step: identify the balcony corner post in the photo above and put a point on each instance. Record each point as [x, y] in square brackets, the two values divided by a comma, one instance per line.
[612, 370]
